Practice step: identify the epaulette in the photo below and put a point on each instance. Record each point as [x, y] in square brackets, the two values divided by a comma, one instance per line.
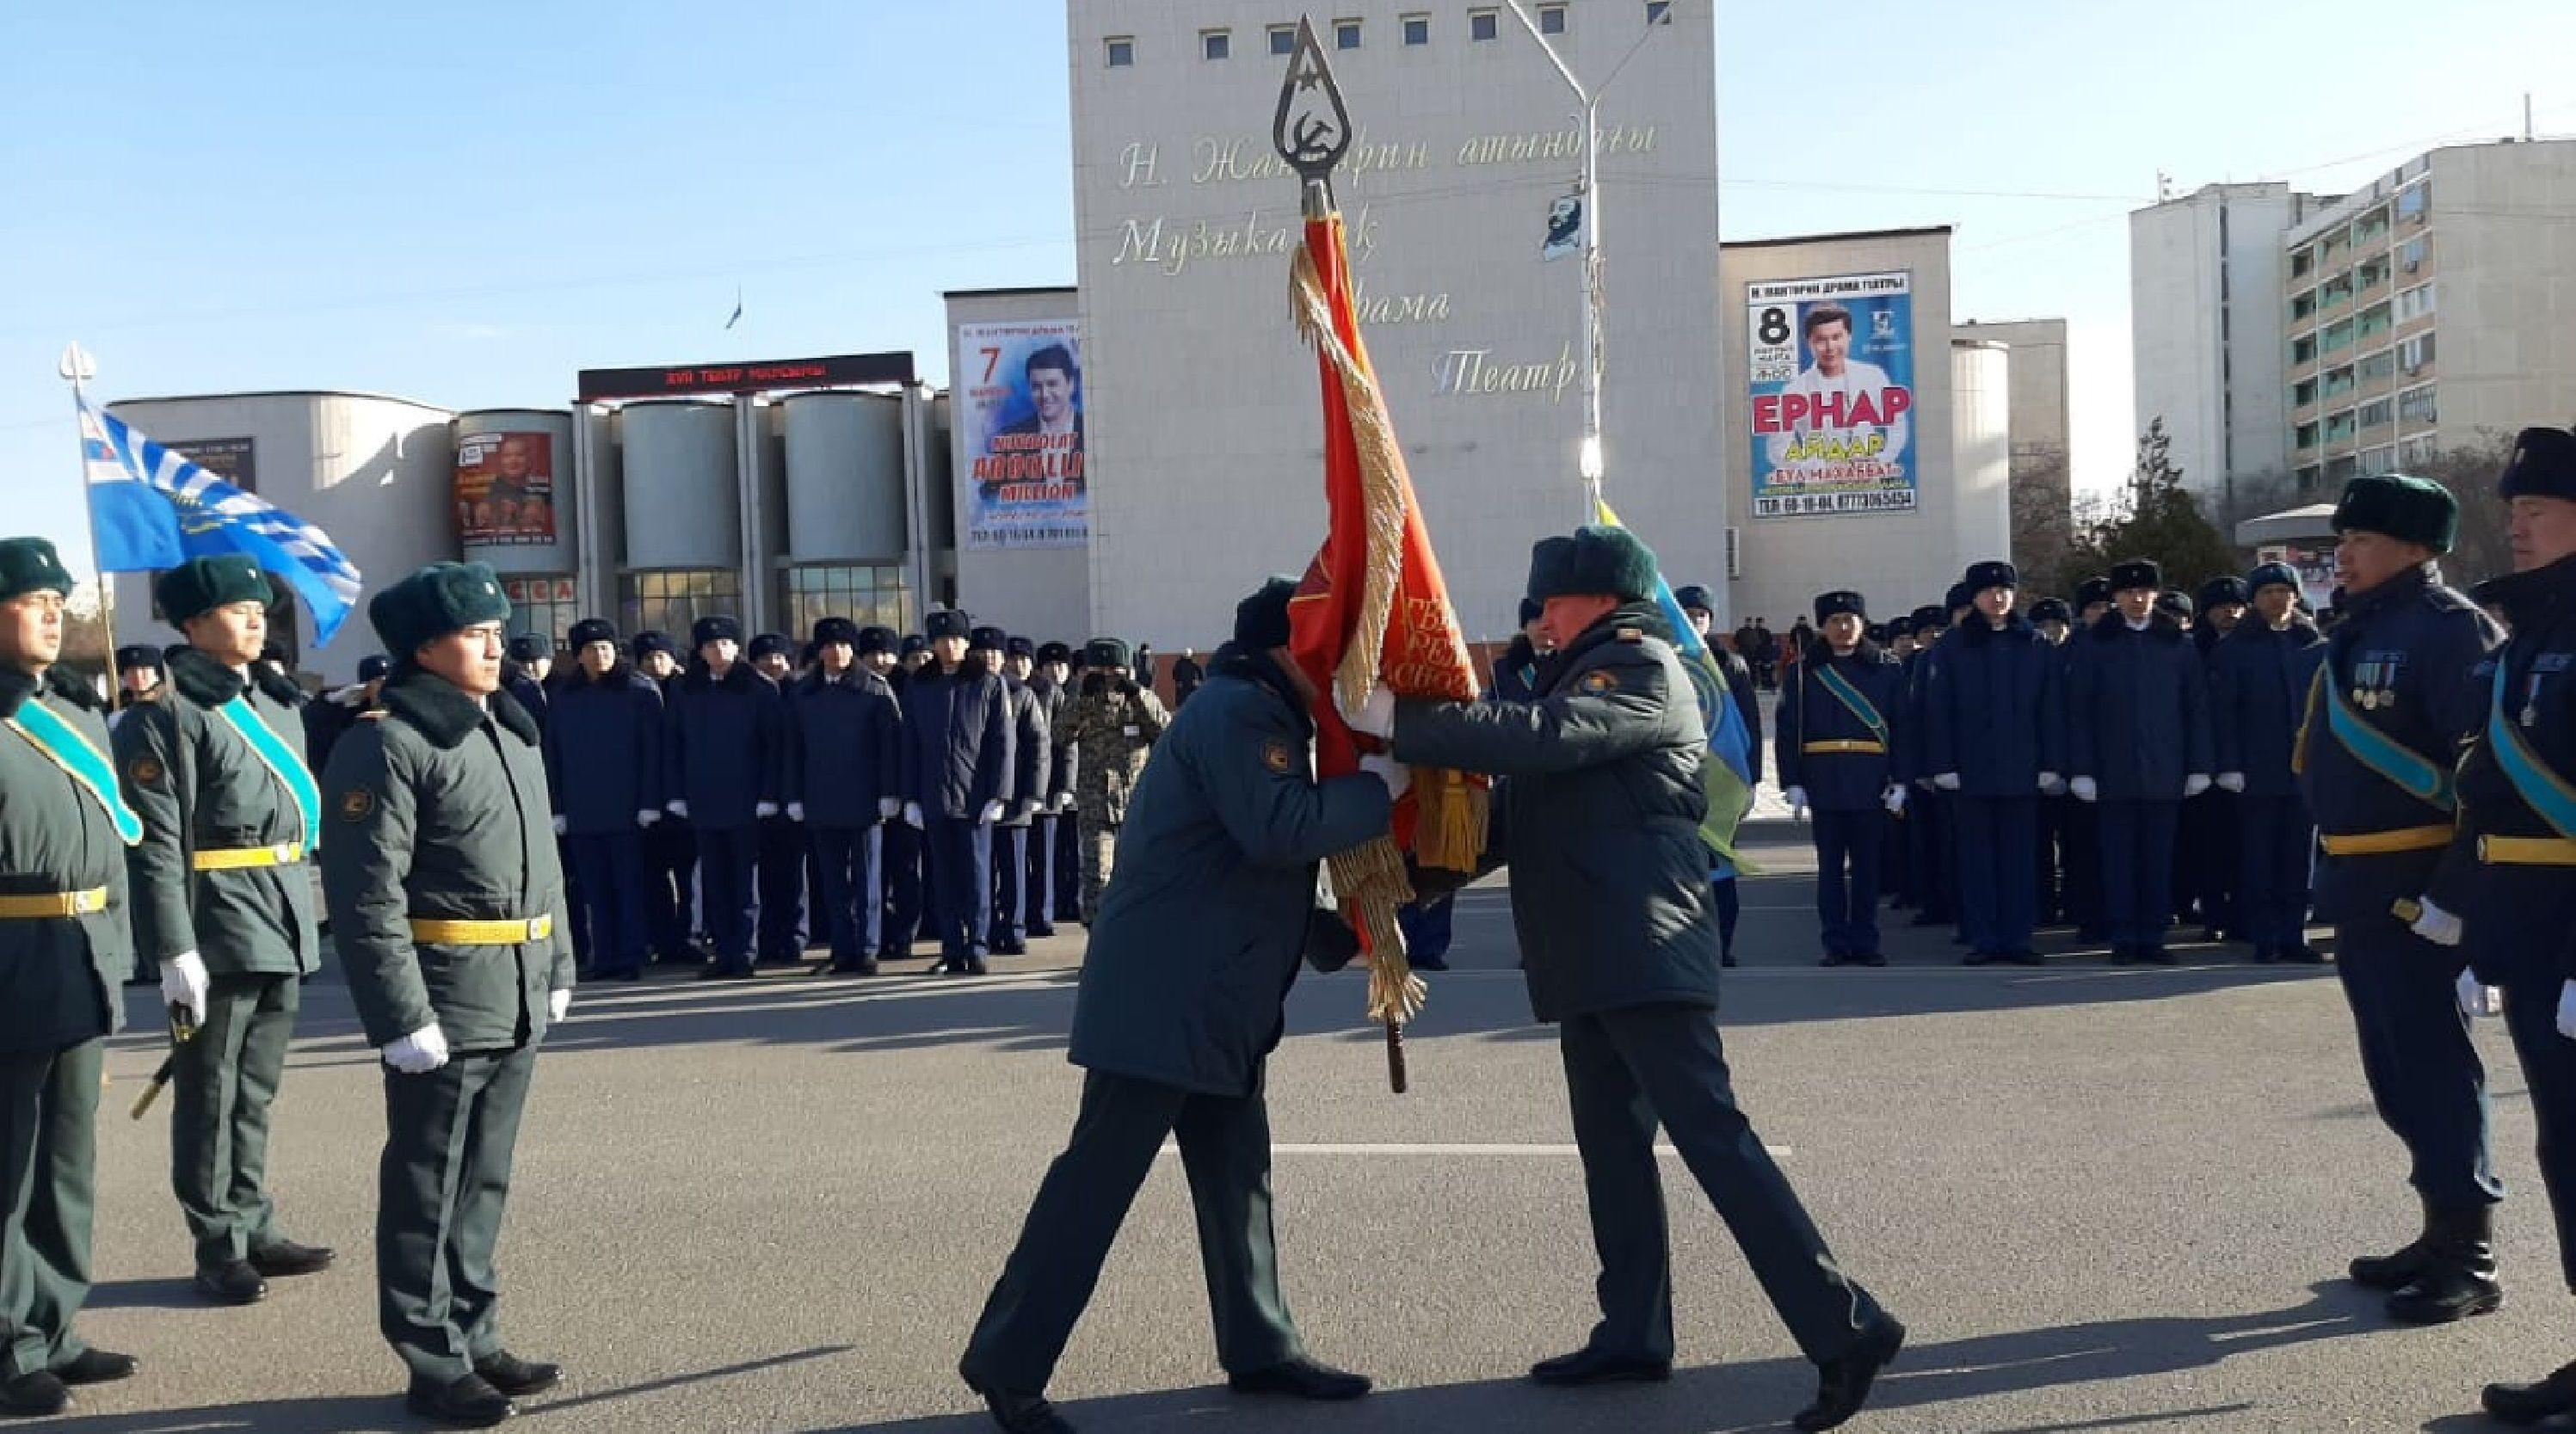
[1632, 634]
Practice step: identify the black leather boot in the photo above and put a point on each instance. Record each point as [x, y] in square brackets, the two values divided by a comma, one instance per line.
[2459, 1279]
[2531, 1403]
[2398, 1269]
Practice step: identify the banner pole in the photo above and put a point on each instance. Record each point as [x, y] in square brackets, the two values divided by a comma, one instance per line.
[77, 368]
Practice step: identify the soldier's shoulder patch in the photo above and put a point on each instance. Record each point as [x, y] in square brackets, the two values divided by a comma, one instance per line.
[1276, 756]
[1632, 634]
[1598, 681]
[356, 804]
[146, 770]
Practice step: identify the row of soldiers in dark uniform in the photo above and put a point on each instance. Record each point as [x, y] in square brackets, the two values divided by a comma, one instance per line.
[961, 785]
[2005, 769]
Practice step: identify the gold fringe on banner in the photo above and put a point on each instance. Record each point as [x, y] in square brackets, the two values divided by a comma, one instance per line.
[1450, 813]
[1369, 883]
[1381, 486]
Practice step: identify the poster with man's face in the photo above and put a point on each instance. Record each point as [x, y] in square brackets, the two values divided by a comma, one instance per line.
[505, 488]
[1831, 369]
[1018, 417]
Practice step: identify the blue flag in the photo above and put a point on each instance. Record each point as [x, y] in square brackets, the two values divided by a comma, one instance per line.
[151, 509]
[1729, 779]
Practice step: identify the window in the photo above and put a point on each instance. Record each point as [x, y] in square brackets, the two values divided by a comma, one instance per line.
[2303, 304]
[2415, 203]
[2373, 225]
[2335, 337]
[2416, 354]
[1659, 12]
[2415, 452]
[2379, 460]
[543, 606]
[1551, 19]
[2339, 426]
[1482, 24]
[1283, 39]
[671, 601]
[871, 596]
[1215, 44]
[2309, 477]
[2304, 349]
[2376, 412]
[2340, 471]
[2337, 381]
[1417, 29]
[2301, 263]
[1346, 34]
[2415, 406]
[2415, 303]
[1122, 51]
[2379, 367]
[2303, 393]
[2374, 322]
[2412, 253]
[2372, 273]
[2307, 435]
[2337, 290]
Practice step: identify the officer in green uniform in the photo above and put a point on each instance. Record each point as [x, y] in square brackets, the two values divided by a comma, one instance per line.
[439, 868]
[1191, 957]
[1111, 727]
[223, 903]
[64, 950]
[1610, 899]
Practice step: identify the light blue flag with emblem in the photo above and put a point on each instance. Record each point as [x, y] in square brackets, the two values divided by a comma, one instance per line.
[1729, 779]
[152, 509]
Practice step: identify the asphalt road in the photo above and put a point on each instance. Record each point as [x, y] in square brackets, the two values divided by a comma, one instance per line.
[2104, 1199]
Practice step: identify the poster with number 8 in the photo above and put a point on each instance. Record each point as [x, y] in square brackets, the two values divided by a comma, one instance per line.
[1829, 363]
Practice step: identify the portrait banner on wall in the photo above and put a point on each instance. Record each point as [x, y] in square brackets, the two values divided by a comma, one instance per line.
[505, 488]
[1830, 368]
[1018, 415]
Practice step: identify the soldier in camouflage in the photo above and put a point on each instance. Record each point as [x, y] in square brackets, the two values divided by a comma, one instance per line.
[1112, 723]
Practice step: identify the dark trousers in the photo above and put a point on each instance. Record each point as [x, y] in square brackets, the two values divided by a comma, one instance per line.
[2208, 862]
[1928, 815]
[849, 889]
[1428, 928]
[1038, 889]
[443, 1182]
[2549, 1069]
[1896, 873]
[1225, 1152]
[782, 889]
[2422, 1068]
[1847, 854]
[610, 871]
[1996, 844]
[221, 1089]
[1068, 867]
[1010, 865]
[906, 910]
[576, 909]
[2082, 833]
[2048, 862]
[961, 866]
[670, 887]
[49, 1177]
[1730, 905]
[2137, 872]
[727, 859]
[1627, 1071]
[2275, 839]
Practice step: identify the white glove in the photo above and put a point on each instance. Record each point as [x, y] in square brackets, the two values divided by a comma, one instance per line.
[184, 982]
[1063, 803]
[678, 807]
[1797, 799]
[2084, 789]
[647, 817]
[419, 1053]
[2195, 784]
[1924, 782]
[2473, 996]
[796, 811]
[889, 808]
[1947, 781]
[1894, 799]
[2567, 1010]
[763, 811]
[2231, 781]
[992, 813]
[2050, 784]
[1376, 716]
[1397, 776]
[1028, 809]
[558, 1004]
[2434, 924]
[912, 815]
[563, 825]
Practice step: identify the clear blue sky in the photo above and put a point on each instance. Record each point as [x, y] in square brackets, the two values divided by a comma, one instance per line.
[466, 209]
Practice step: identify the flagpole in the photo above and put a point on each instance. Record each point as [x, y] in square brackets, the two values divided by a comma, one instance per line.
[78, 368]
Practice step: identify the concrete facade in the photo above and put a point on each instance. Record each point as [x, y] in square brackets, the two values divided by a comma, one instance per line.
[1202, 416]
[2043, 492]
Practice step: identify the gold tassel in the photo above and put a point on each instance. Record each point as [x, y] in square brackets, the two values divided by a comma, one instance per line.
[1369, 882]
[1450, 812]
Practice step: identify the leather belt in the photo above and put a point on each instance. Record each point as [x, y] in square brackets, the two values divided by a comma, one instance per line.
[515, 932]
[53, 905]
[2526, 851]
[1844, 744]
[2383, 843]
[240, 858]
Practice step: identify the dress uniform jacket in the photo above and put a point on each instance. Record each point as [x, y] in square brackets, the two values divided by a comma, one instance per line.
[1031, 754]
[1601, 817]
[1992, 710]
[439, 811]
[2259, 682]
[603, 747]
[1516, 672]
[2520, 913]
[2402, 653]
[1843, 781]
[957, 741]
[1198, 940]
[844, 748]
[60, 978]
[1055, 705]
[726, 746]
[199, 786]
[2138, 710]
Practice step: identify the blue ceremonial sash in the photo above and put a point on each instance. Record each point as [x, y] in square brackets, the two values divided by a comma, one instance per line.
[1851, 697]
[2544, 790]
[65, 747]
[2425, 780]
[282, 763]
